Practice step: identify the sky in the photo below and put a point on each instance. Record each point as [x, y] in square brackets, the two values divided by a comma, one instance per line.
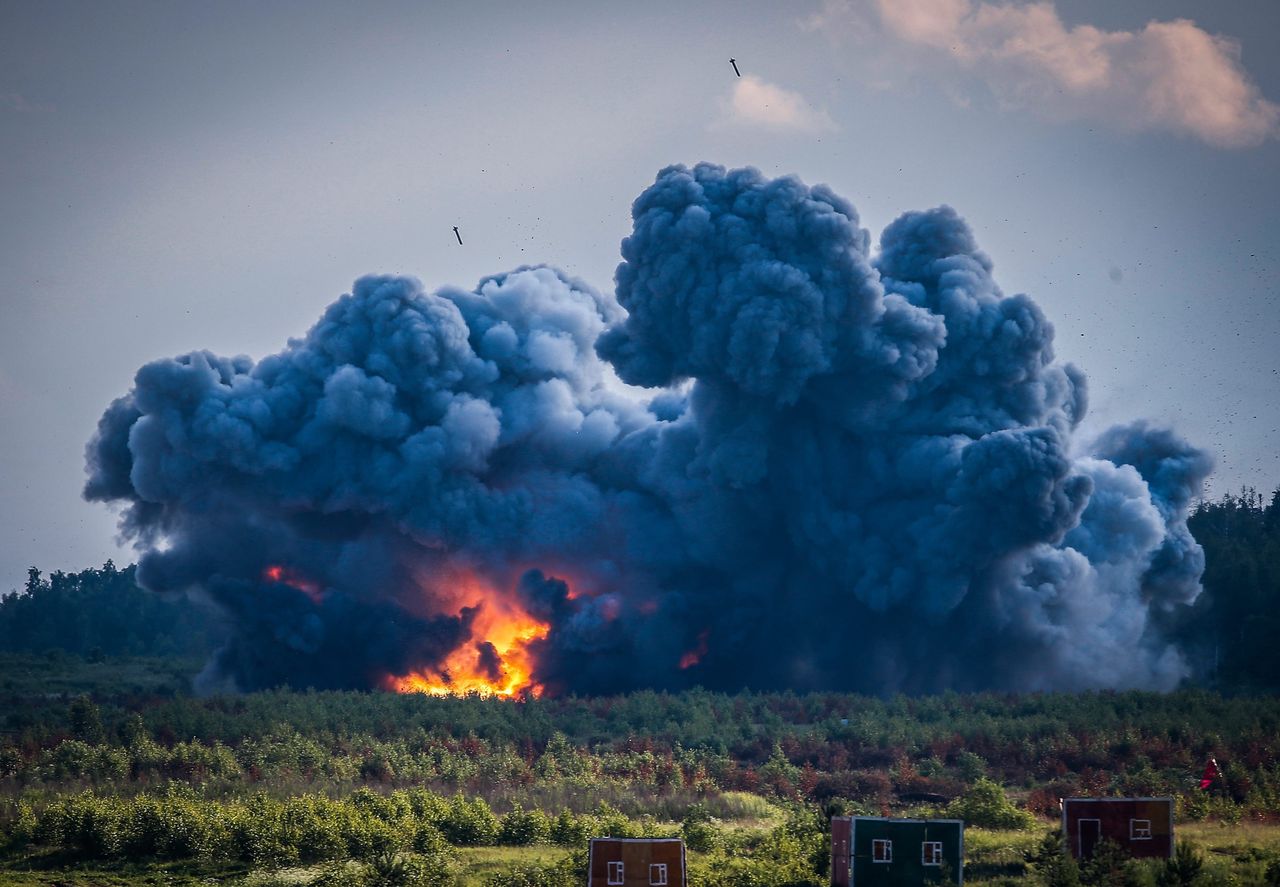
[178, 176]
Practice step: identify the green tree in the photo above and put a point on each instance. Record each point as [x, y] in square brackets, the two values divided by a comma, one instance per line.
[1110, 866]
[1183, 868]
[986, 805]
[1051, 864]
[86, 719]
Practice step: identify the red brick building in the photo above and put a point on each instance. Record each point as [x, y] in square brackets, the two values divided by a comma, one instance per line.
[636, 862]
[1142, 826]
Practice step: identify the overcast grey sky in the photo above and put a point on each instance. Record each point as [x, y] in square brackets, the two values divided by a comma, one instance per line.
[176, 176]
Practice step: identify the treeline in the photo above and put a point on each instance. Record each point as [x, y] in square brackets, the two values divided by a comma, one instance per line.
[1233, 630]
[102, 612]
[657, 752]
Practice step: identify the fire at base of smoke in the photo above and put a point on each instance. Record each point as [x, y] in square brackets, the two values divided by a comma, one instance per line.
[820, 468]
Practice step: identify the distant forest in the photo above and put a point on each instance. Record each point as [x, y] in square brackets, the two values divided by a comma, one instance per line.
[1233, 630]
[103, 612]
[1231, 633]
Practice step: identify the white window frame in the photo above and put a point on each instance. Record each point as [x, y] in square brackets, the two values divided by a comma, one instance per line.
[616, 873]
[658, 877]
[881, 844]
[1135, 829]
[931, 848]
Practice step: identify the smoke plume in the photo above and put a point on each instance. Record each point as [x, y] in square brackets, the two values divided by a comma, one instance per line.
[774, 459]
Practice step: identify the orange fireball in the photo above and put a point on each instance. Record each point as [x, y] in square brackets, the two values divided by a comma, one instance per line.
[496, 662]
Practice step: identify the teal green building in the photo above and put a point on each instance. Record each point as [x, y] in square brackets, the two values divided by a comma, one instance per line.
[878, 851]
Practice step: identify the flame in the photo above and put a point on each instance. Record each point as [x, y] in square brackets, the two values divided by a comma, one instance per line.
[293, 579]
[500, 624]
[694, 656]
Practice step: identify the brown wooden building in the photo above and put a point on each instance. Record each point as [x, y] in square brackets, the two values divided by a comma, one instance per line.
[636, 862]
[1142, 826]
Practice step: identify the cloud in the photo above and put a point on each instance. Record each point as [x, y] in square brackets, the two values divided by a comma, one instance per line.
[757, 102]
[1170, 76]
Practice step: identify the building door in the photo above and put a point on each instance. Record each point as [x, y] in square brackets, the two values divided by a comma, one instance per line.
[1090, 835]
[841, 835]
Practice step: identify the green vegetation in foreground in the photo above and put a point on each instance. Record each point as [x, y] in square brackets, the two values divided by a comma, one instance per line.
[1242, 854]
[134, 782]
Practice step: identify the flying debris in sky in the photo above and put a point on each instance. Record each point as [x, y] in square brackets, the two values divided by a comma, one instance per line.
[734, 62]
[829, 467]
[457, 235]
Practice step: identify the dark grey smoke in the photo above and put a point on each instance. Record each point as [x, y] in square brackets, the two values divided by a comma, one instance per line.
[841, 469]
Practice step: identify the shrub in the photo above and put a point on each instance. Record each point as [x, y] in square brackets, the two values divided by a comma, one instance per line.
[520, 828]
[986, 805]
[568, 830]
[1051, 864]
[699, 833]
[470, 823]
[407, 870]
[1110, 866]
[1183, 868]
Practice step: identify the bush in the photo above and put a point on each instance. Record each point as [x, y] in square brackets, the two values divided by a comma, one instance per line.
[1185, 866]
[568, 830]
[699, 833]
[407, 870]
[1110, 866]
[470, 823]
[1051, 864]
[985, 805]
[91, 827]
[520, 828]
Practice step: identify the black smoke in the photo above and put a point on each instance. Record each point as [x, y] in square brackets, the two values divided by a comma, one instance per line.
[776, 458]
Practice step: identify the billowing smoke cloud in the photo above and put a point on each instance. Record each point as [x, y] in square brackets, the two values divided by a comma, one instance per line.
[826, 468]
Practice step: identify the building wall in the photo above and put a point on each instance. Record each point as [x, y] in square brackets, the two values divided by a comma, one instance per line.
[636, 855]
[841, 850]
[1115, 819]
[908, 837]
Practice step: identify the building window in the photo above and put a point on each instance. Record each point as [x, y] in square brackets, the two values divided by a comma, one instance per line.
[881, 850]
[615, 874]
[931, 853]
[1139, 829]
[658, 873]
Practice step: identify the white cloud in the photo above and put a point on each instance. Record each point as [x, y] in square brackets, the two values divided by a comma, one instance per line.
[757, 102]
[1167, 75]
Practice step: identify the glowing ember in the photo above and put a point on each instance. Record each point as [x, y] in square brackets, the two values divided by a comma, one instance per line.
[694, 656]
[496, 662]
[293, 579]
